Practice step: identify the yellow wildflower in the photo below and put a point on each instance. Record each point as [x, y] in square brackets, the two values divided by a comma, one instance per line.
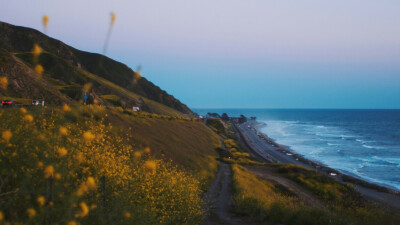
[113, 18]
[88, 136]
[31, 212]
[48, 171]
[147, 150]
[63, 131]
[22, 110]
[40, 164]
[127, 215]
[6, 135]
[37, 50]
[57, 176]
[1, 216]
[79, 157]
[150, 166]
[28, 118]
[39, 69]
[3, 83]
[41, 200]
[89, 184]
[137, 155]
[72, 222]
[66, 108]
[137, 75]
[62, 152]
[45, 21]
[84, 210]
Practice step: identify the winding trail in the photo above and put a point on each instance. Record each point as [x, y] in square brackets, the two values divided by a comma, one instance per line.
[218, 199]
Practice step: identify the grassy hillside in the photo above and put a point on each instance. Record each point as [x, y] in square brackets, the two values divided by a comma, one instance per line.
[98, 165]
[64, 65]
[268, 203]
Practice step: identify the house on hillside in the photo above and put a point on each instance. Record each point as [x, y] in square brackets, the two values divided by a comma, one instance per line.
[135, 109]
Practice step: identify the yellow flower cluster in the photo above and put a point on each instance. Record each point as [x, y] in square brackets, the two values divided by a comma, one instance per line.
[6, 135]
[88, 185]
[52, 157]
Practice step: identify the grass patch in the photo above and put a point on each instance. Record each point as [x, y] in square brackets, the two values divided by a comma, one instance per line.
[260, 200]
[113, 99]
[264, 202]
[216, 125]
[236, 154]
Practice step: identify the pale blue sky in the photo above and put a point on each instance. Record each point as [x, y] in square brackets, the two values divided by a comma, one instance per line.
[237, 53]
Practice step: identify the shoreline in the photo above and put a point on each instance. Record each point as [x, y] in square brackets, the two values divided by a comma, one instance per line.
[268, 150]
[258, 125]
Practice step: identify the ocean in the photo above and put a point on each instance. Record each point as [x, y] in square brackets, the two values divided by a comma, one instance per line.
[362, 143]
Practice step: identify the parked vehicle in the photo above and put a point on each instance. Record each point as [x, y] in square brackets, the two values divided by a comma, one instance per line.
[36, 102]
[8, 103]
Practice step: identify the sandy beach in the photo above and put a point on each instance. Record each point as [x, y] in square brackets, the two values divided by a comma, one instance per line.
[266, 149]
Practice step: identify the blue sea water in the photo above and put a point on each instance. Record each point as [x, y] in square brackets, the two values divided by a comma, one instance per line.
[363, 143]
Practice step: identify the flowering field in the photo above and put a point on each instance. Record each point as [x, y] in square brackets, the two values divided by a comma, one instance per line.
[72, 166]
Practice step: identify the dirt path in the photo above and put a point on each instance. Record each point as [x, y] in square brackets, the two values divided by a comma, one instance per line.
[218, 198]
[269, 175]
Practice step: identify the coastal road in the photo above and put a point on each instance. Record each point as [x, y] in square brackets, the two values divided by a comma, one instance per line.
[263, 146]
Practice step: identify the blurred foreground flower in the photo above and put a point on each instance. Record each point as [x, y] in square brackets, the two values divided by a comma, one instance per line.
[22, 110]
[147, 150]
[127, 215]
[84, 210]
[62, 152]
[63, 131]
[41, 200]
[39, 69]
[88, 185]
[6, 135]
[150, 166]
[137, 155]
[66, 108]
[36, 51]
[28, 118]
[3, 83]
[49, 171]
[45, 21]
[31, 213]
[88, 136]
[113, 18]
[72, 222]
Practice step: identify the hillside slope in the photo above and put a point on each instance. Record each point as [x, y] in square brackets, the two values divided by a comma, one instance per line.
[64, 67]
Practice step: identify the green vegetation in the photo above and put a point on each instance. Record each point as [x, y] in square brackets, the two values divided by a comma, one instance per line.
[238, 155]
[113, 99]
[216, 125]
[326, 188]
[53, 160]
[267, 203]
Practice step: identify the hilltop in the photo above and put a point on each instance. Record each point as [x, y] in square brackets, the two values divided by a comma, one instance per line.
[67, 70]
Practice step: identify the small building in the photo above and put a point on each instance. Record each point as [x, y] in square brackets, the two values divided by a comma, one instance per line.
[135, 109]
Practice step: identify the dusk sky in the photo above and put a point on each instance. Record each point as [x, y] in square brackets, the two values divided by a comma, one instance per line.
[240, 54]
